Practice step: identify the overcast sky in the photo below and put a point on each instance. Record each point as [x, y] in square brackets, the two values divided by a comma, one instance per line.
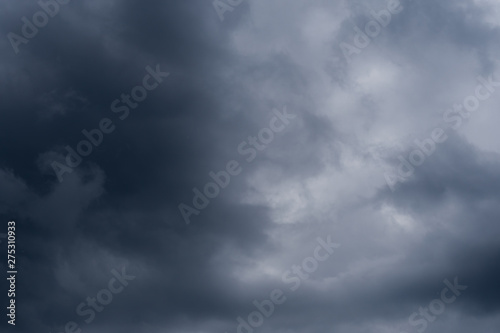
[310, 118]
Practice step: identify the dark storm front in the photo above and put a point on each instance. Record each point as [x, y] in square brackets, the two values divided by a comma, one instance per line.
[122, 106]
[103, 298]
[249, 148]
[30, 27]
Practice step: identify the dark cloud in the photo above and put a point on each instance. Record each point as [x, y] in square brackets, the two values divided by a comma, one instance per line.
[322, 175]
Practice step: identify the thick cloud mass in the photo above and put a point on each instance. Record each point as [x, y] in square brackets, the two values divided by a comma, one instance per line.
[345, 114]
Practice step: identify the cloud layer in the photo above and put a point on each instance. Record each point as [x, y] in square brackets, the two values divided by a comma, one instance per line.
[358, 98]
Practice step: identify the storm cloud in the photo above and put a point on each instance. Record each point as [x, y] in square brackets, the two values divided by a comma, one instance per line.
[251, 166]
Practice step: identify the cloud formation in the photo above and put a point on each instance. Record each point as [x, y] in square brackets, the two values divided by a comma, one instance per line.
[323, 174]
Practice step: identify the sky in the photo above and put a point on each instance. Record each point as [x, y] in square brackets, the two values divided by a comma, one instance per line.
[240, 166]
